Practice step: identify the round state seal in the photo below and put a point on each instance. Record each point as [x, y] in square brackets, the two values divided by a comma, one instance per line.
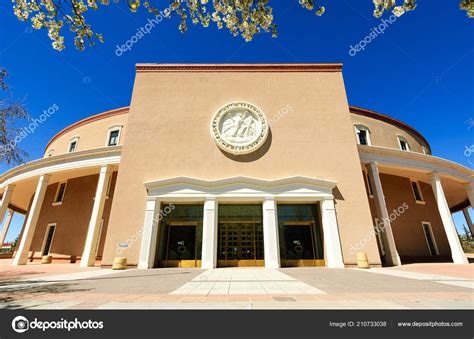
[239, 128]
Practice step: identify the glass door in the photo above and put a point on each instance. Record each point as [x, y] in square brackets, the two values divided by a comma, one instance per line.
[240, 236]
[180, 236]
[298, 241]
[181, 242]
[300, 233]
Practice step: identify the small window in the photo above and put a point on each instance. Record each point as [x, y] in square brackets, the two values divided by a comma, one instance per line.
[404, 146]
[109, 184]
[73, 144]
[378, 234]
[48, 240]
[50, 153]
[415, 186]
[430, 240]
[369, 185]
[98, 237]
[363, 135]
[58, 199]
[113, 138]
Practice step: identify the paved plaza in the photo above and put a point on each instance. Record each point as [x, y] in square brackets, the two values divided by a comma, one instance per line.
[67, 286]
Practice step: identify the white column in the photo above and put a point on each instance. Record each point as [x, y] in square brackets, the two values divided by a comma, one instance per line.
[332, 240]
[89, 254]
[209, 234]
[465, 211]
[6, 225]
[149, 235]
[7, 195]
[457, 252]
[21, 256]
[271, 242]
[391, 252]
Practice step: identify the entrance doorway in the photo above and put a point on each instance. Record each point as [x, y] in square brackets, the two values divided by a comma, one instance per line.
[240, 236]
[181, 245]
[300, 233]
[180, 236]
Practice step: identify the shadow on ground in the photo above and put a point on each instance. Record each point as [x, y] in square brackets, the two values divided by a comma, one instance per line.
[16, 293]
[14, 298]
[14, 274]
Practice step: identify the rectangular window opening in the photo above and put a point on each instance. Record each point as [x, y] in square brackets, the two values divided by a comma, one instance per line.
[60, 193]
[369, 186]
[378, 234]
[72, 146]
[416, 191]
[114, 138]
[49, 239]
[363, 137]
[430, 240]
[403, 144]
[109, 184]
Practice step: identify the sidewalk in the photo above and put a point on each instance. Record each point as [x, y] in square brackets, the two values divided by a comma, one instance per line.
[36, 270]
[449, 274]
[444, 269]
[63, 286]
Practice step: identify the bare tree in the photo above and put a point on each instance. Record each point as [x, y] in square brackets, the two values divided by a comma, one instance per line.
[11, 112]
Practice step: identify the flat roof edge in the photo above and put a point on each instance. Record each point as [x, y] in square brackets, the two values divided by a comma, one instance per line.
[308, 67]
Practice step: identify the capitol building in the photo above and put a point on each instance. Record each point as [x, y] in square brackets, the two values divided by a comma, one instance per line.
[237, 165]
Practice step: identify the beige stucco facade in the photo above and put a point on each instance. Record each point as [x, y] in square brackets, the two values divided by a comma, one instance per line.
[181, 125]
[385, 134]
[71, 218]
[312, 155]
[407, 228]
[90, 133]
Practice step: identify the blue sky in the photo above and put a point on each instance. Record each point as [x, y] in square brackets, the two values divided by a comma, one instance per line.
[419, 71]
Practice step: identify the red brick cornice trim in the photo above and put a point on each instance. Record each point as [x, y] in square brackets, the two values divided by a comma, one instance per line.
[390, 120]
[239, 67]
[88, 120]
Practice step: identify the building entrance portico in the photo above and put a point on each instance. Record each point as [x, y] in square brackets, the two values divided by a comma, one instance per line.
[239, 222]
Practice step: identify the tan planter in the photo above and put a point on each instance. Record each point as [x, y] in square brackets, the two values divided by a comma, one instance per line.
[120, 263]
[46, 259]
[362, 260]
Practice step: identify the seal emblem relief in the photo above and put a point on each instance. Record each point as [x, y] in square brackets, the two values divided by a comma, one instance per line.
[239, 128]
